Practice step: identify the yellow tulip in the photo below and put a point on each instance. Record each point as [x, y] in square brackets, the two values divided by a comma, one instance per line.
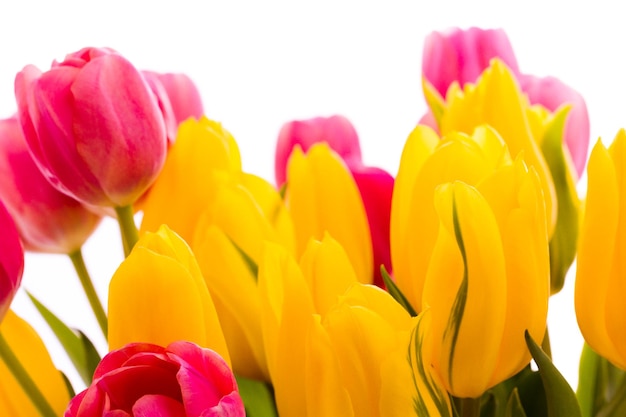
[32, 353]
[322, 196]
[497, 100]
[600, 280]
[204, 156]
[158, 295]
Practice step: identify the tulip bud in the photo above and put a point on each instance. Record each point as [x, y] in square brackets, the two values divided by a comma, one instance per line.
[600, 279]
[183, 96]
[33, 355]
[11, 260]
[47, 220]
[93, 126]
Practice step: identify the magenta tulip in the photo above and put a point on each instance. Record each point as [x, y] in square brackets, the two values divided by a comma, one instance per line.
[337, 131]
[462, 55]
[11, 260]
[375, 185]
[142, 379]
[47, 220]
[183, 95]
[93, 126]
[163, 100]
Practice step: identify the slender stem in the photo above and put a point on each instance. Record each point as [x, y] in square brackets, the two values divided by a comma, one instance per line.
[130, 236]
[468, 407]
[24, 379]
[90, 291]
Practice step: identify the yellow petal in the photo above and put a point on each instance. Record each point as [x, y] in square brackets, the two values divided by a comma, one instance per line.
[465, 289]
[203, 156]
[322, 196]
[33, 355]
[328, 272]
[158, 296]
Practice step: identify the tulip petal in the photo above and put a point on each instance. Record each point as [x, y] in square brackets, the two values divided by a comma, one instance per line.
[158, 406]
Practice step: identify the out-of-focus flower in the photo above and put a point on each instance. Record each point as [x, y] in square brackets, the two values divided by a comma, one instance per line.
[11, 260]
[163, 101]
[600, 279]
[469, 225]
[375, 185]
[142, 379]
[336, 131]
[47, 220]
[322, 197]
[32, 354]
[334, 346]
[93, 126]
[183, 95]
[462, 55]
[158, 295]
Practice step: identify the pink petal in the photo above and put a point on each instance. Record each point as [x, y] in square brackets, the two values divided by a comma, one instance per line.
[229, 406]
[11, 260]
[158, 406]
[184, 96]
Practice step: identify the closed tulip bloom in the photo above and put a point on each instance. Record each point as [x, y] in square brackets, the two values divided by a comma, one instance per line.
[322, 197]
[11, 260]
[93, 126]
[48, 220]
[142, 379]
[158, 295]
[32, 354]
[163, 101]
[600, 278]
[183, 95]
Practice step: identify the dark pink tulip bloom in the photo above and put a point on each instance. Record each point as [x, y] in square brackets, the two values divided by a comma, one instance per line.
[337, 131]
[48, 220]
[11, 260]
[184, 96]
[462, 55]
[163, 100]
[142, 379]
[93, 126]
[375, 185]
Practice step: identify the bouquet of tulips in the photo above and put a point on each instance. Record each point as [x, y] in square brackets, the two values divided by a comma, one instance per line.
[337, 290]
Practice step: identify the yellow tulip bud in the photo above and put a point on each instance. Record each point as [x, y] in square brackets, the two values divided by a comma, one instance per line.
[600, 280]
[158, 295]
[32, 353]
[322, 196]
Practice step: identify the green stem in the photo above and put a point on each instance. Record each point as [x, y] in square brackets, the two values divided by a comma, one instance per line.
[90, 291]
[468, 407]
[130, 236]
[25, 381]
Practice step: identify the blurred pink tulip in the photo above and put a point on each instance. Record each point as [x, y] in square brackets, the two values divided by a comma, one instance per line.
[184, 96]
[462, 55]
[47, 220]
[142, 379]
[11, 260]
[163, 100]
[337, 131]
[93, 126]
[375, 185]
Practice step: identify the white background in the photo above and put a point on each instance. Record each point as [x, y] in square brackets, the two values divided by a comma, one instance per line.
[260, 64]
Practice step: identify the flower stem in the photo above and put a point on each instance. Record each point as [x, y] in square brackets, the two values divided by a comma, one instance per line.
[468, 407]
[25, 381]
[130, 236]
[90, 291]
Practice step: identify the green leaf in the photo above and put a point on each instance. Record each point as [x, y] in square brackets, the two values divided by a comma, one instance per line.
[434, 100]
[78, 347]
[514, 405]
[560, 397]
[565, 237]
[252, 266]
[395, 292]
[257, 396]
[68, 385]
[601, 385]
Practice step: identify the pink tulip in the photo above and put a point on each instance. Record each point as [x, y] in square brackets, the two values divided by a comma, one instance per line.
[462, 55]
[11, 260]
[375, 185]
[337, 131]
[47, 220]
[184, 96]
[163, 100]
[93, 126]
[142, 379]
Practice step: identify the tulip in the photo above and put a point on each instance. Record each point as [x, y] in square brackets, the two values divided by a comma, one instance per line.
[374, 184]
[183, 96]
[158, 295]
[32, 354]
[93, 127]
[462, 55]
[142, 379]
[599, 273]
[165, 106]
[322, 196]
[47, 220]
[469, 225]
[11, 260]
